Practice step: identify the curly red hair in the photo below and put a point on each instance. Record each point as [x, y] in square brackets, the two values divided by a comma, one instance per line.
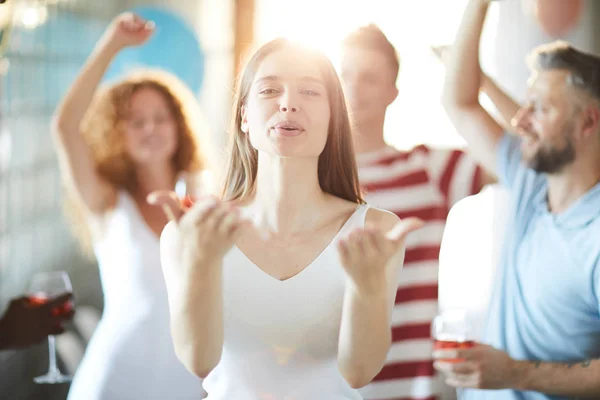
[102, 128]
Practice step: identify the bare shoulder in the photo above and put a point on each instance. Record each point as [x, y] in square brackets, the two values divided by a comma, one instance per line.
[342, 207]
[380, 219]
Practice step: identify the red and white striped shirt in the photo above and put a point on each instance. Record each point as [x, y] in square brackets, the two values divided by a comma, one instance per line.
[424, 183]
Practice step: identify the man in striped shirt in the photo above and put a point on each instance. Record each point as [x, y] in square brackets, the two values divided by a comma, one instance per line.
[425, 183]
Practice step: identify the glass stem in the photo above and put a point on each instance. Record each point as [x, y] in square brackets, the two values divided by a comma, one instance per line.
[53, 368]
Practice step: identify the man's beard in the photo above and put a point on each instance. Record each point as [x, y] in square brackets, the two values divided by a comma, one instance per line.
[550, 159]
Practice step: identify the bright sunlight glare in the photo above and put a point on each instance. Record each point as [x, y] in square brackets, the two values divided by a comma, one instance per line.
[412, 26]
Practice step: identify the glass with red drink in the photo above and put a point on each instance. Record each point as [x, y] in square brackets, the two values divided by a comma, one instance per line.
[44, 287]
[452, 329]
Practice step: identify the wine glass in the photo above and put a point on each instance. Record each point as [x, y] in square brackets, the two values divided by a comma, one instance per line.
[44, 287]
[181, 186]
[182, 191]
[453, 329]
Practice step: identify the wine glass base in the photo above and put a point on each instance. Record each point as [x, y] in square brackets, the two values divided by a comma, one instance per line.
[53, 378]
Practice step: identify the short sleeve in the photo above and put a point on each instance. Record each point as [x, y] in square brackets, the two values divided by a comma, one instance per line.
[509, 159]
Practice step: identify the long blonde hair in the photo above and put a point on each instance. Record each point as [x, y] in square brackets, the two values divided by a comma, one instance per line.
[102, 129]
[337, 165]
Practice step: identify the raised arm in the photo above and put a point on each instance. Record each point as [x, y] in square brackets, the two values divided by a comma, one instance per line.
[76, 161]
[460, 96]
[507, 106]
[504, 103]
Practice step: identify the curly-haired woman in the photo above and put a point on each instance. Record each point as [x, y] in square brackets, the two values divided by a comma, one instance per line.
[115, 146]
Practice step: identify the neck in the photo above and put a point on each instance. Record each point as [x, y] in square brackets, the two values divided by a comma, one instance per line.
[369, 136]
[154, 176]
[287, 196]
[572, 183]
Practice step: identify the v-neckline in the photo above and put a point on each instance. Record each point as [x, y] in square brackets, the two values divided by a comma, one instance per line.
[307, 267]
[140, 217]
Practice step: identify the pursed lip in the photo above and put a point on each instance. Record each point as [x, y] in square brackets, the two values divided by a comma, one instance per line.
[288, 125]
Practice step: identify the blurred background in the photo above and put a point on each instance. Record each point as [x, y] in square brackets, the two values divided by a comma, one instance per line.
[44, 43]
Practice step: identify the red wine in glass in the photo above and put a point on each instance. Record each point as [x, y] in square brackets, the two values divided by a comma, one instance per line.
[452, 330]
[187, 202]
[40, 299]
[43, 287]
[452, 344]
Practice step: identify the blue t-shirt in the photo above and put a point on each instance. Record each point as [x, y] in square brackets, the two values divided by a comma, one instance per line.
[546, 301]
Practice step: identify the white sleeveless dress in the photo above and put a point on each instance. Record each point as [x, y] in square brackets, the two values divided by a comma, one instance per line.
[281, 337]
[131, 355]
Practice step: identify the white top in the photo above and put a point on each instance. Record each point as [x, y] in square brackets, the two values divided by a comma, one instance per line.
[281, 337]
[470, 253]
[131, 355]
